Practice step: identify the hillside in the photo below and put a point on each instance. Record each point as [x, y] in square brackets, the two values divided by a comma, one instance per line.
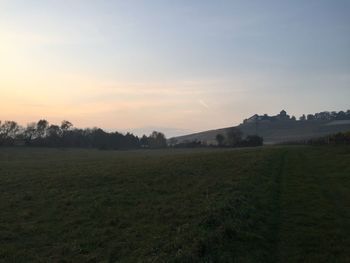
[275, 131]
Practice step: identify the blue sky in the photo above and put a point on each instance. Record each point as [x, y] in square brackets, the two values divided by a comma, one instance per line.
[175, 65]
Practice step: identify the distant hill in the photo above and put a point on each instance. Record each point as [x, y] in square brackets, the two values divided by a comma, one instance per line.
[277, 129]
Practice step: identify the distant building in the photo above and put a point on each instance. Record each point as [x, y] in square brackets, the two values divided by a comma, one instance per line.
[283, 115]
[252, 119]
[260, 118]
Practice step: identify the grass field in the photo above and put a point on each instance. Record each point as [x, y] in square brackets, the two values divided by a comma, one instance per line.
[273, 204]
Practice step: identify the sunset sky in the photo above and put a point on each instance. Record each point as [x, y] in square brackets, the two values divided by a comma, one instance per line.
[175, 66]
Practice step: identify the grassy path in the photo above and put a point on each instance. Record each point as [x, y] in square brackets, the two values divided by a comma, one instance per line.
[315, 206]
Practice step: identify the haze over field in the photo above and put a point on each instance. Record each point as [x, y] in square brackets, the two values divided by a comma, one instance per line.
[180, 66]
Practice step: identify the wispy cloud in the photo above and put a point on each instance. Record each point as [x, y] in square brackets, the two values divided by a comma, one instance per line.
[205, 105]
[32, 38]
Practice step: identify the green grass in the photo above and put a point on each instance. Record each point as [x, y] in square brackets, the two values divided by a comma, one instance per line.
[277, 204]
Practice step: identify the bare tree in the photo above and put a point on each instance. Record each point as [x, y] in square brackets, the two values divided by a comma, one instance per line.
[9, 129]
[41, 128]
[66, 125]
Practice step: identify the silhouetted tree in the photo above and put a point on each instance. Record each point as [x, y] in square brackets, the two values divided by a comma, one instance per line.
[9, 129]
[54, 134]
[66, 125]
[8, 132]
[220, 139]
[253, 140]
[29, 133]
[302, 118]
[234, 136]
[54, 131]
[144, 142]
[310, 117]
[341, 115]
[157, 140]
[41, 127]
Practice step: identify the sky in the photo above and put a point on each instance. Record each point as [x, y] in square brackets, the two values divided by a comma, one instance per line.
[176, 66]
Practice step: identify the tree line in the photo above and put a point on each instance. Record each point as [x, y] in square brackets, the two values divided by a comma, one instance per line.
[326, 116]
[319, 116]
[340, 138]
[234, 138]
[44, 134]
